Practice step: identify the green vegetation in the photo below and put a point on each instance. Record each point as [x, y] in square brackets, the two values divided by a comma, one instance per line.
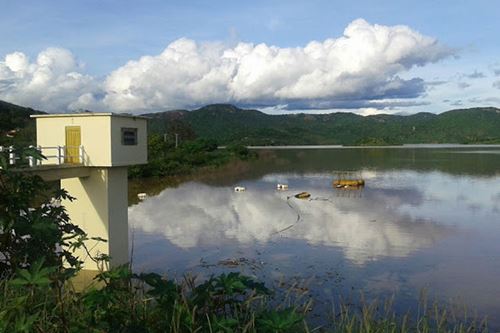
[16, 127]
[127, 302]
[167, 160]
[228, 124]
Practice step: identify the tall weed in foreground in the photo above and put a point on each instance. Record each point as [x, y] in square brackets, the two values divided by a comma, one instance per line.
[128, 302]
[381, 316]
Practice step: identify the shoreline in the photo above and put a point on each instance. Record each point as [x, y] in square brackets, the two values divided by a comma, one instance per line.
[404, 146]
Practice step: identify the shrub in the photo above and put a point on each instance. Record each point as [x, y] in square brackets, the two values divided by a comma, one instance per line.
[241, 152]
[33, 223]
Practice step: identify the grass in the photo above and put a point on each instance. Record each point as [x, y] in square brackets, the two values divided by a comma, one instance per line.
[380, 316]
[121, 301]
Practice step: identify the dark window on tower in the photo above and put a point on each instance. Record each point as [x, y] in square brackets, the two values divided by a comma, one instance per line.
[129, 136]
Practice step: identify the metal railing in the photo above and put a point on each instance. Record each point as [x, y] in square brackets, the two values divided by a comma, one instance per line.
[56, 155]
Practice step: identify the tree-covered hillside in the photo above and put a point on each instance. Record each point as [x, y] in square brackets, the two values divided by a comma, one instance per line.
[229, 124]
[16, 126]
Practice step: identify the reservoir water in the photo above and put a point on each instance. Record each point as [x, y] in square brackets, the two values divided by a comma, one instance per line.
[428, 218]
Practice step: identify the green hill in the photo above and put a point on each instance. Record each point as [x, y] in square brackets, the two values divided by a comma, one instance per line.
[229, 124]
[15, 121]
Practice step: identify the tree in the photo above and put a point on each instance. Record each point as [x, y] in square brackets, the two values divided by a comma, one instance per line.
[33, 223]
[183, 129]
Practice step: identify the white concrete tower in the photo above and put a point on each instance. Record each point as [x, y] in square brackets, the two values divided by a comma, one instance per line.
[103, 145]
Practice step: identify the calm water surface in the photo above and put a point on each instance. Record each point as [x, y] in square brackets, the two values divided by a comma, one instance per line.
[426, 219]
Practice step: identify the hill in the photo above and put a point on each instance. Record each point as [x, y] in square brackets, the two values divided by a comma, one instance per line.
[228, 124]
[16, 126]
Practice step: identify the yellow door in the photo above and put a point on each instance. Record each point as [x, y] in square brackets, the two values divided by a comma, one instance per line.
[73, 142]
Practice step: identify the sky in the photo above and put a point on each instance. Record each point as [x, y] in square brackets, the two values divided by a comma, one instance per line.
[366, 57]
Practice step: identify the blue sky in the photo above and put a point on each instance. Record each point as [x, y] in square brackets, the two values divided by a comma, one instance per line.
[82, 49]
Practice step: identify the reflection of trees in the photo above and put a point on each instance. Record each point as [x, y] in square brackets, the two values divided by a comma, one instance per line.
[445, 160]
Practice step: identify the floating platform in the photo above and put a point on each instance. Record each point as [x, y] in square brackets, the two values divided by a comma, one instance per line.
[303, 195]
[352, 180]
[344, 183]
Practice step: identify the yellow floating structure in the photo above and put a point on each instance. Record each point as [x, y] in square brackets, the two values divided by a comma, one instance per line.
[348, 183]
[348, 180]
[303, 195]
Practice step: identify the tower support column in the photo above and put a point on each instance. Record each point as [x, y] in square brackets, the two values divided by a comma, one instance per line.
[101, 210]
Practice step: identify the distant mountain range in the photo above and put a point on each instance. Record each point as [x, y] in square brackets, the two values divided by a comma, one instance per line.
[230, 124]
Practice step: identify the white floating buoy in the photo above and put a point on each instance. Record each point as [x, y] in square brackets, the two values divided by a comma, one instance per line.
[239, 189]
[282, 187]
[142, 196]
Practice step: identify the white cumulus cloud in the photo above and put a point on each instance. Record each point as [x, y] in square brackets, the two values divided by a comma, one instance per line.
[355, 70]
[52, 82]
[359, 67]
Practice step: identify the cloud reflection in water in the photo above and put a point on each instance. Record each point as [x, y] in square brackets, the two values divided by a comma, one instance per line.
[366, 228]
